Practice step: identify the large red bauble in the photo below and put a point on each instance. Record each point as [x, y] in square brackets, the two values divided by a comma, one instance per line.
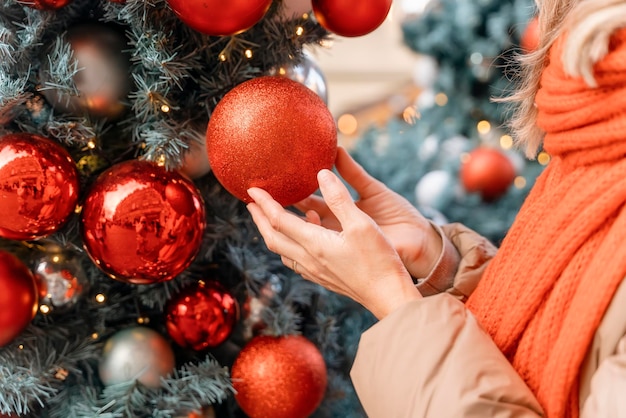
[46, 4]
[38, 186]
[141, 223]
[18, 297]
[274, 133]
[219, 17]
[487, 171]
[279, 377]
[351, 17]
[201, 315]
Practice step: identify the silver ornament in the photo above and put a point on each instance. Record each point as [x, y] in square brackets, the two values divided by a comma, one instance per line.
[103, 79]
[61, 280]
[308, 72]
[136, 353]
[252, 322]
[195, 162]
[435, 189]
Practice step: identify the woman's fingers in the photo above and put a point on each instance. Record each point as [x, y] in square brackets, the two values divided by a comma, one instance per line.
[337, 197]
[352, 172]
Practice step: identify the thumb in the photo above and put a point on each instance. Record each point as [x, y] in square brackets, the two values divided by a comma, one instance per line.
[336, 196]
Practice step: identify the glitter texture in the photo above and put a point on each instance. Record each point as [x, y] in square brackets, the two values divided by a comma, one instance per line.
[273, 133]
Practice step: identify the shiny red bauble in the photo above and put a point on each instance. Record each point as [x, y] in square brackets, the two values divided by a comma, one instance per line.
[18, 297]
[530, 38]
[279, 377]
[274, 133]
[219, 17]
[141, 223]
[351, 17]
[487, 171]
[38, 186]
[201, 316]
[46, 4]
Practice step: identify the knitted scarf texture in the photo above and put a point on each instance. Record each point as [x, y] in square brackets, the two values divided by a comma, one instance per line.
[544, 294]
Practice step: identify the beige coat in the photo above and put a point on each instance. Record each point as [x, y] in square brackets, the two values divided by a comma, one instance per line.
[430, 358]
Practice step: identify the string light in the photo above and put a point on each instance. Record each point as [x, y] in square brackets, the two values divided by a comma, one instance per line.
[21, 346]
[520, 182]
[165, 108]
[347, 124]
[483, 127]
[100, 298]
[248, 53]
[56, 258]
[441, 99]
[299, 31]
[91, 144]
[143, 320]
[161, 160]
[94, 336]
[411, 115]
[44, 309]
[543, 158]
[506, 141]
[78, 209]
[222, 57]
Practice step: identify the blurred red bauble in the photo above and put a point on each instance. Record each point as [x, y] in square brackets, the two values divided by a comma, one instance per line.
[201, 316]
[18, 297]
[141, 223]
[274, 133]
[351, 17]
[530, 37]
[219, 17]
[279, 377]
[487, 171]
[46, 4]
[38, 186]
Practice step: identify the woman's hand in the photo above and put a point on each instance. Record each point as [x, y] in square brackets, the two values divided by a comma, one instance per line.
[355, 260]
[412, 236]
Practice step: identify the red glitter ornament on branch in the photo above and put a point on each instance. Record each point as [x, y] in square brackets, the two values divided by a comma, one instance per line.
[274, 133]
[351, 18]
[487, 171]
[141, 223]
[279, 377]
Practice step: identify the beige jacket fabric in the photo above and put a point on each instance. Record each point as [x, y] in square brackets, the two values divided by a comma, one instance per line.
[430, 358]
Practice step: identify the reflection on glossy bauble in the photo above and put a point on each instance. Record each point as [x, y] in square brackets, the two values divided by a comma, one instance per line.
[308, 73]
[141, 223]
[46, 4]
[103, 79]
[136, 353]
[201, 315]
[38, 186]
[18, 297]
[61, 280]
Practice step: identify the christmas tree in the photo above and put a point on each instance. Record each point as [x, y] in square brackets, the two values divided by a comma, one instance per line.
[450, 153]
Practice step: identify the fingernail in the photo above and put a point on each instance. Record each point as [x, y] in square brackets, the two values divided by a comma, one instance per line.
[324, 176]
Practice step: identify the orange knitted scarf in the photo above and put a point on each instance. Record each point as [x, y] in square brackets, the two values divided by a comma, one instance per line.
[544, 294]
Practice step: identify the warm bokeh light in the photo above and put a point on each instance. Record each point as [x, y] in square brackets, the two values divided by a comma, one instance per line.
[441, 99]
[519, 182]
[506, 141]
[483, 127]
[347, 124]
[543, 158]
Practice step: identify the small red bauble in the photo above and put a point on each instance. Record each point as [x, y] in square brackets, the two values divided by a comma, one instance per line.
[274, 133]
[351, 17]
[530, 37]
[201, 316]
[487, 171]
[141, 223]
[279, 377]
[219, 17]
[18, 297]
[46, 4]
[38, 186]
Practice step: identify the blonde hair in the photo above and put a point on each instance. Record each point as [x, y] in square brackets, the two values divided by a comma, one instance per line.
[589, 25]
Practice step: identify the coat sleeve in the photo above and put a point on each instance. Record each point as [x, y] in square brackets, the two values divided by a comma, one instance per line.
[430, 358]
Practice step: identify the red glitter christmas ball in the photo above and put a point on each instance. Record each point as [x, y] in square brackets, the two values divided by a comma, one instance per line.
[351, 17]
[279, 377]
[530, 37]
[219, 17]
[274, 133]
[38, 186]
[201, 315]
[18, 298]
[487, 171]
[141, 223]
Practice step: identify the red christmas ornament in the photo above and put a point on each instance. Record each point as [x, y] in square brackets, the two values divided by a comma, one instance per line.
[487, 171]
[351, 17]
[279, 377]
[274, 133]
[141, 223]
[219, 17]
[530, 37]
[18, 298]
[201, 316]
[38, 186]
[46, 4]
